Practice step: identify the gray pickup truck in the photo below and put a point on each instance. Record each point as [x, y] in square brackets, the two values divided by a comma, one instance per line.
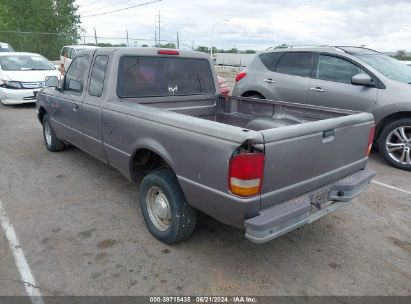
[155, 115]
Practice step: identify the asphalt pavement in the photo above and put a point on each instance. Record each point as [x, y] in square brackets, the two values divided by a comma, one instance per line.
[80, 229]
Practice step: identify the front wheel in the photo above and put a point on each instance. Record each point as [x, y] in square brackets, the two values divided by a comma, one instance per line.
[164, 207]
[52, 142]
[395, 143]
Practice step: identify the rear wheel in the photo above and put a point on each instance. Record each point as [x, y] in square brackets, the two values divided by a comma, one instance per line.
[52, 142]
[395, 143]
[164, 207]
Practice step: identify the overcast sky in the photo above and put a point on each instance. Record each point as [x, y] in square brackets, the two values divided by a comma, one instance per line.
[256, 24]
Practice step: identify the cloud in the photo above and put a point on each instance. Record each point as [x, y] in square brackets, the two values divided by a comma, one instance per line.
[257, 24]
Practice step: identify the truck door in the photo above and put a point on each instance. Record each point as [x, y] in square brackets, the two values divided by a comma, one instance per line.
[331, 86]
[91, 112]
[67, 104]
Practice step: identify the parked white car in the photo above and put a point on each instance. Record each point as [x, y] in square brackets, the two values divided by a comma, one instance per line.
[22, 75]
[5, 47]
[68, 52]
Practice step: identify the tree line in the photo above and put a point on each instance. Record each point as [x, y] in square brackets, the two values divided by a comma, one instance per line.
[39, 26]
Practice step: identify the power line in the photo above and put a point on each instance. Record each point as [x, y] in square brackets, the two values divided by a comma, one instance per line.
[106, 6]
[88, 4]
[122, 9]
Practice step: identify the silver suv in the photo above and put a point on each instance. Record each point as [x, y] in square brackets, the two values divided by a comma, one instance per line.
[351, 78]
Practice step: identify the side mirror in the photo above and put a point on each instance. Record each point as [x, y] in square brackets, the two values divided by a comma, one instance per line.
[52, 81]
[362, 80]
[74, 85]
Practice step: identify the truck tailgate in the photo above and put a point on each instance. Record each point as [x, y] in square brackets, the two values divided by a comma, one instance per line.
[303, 157]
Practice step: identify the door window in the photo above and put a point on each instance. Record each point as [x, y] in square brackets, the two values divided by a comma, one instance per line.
[270, 60]
[336, 69]
[97, 76]
[296, 63]
[74, 79]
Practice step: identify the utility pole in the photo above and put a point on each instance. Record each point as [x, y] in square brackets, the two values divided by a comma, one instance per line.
[159, 29]
[155, 37]
[127, 37]
[178, 41]
[95, 35]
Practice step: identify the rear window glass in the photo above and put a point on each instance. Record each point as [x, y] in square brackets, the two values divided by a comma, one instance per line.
[163, 76]
[296, 63]
[270, 60]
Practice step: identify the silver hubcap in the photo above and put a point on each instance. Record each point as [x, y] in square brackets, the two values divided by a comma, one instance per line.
[398, 145]
[47, 133]
[158, 208]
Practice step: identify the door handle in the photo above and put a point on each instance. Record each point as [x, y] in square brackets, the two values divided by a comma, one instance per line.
[75, 107]
[269, 81]
[317, 89]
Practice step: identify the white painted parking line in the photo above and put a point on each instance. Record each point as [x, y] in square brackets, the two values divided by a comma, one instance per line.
[392, 187]
[21, 262]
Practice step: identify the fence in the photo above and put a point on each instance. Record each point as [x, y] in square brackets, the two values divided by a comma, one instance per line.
[50, 44]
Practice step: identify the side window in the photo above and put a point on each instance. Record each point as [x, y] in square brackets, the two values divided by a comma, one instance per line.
[270, 60]
[97, 76]
[296, 63]
[63, 51]
[72, 53]
[336, 69]
[74, 79]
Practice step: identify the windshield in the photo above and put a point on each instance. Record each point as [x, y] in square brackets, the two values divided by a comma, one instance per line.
[389, 67]
[24, 63]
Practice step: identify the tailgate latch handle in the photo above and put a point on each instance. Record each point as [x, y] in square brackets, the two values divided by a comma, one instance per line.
[328, 136]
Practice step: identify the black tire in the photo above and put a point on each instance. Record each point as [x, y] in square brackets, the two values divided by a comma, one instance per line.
[183, 217]
[395, 160]
[54, 144]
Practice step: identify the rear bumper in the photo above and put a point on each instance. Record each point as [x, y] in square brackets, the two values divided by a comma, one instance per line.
[282, 218]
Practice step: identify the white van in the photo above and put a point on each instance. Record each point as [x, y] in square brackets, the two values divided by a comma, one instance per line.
[5, 47]
[68, 52]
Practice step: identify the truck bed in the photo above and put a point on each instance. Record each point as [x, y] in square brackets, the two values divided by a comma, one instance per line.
[305, 146]
[250, 113]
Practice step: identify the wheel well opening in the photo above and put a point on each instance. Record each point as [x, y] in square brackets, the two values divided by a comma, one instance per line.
[145, 161]
[251, 93]
[41, 114]
[389, 119]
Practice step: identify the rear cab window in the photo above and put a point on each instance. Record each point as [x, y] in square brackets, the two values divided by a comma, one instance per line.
[296, 63]
[151, 76]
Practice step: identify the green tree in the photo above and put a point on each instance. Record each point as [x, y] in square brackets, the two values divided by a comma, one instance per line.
[250, 52]
[203, 49]
[233, 50]
[168, 46]
[39, 26]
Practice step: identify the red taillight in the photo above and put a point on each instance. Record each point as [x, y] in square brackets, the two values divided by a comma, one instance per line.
[168, 52]
[370, 141]
[240, 76]
[246, 174]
